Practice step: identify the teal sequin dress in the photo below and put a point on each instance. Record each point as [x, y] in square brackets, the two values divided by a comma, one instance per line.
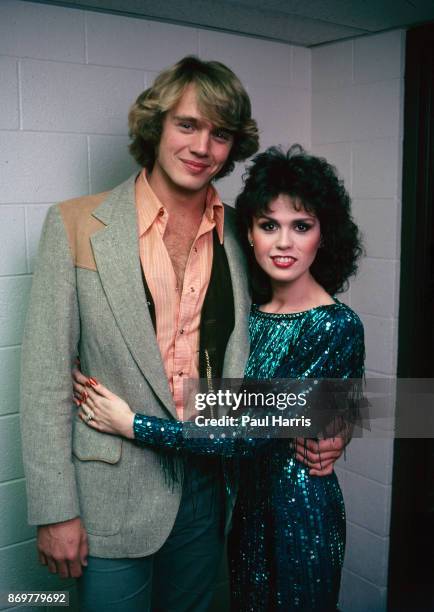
[287, 542]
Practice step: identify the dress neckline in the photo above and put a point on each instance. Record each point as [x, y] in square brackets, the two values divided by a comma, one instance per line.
[294, 315]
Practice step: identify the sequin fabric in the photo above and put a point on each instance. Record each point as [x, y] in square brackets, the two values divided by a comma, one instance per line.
[287, 542]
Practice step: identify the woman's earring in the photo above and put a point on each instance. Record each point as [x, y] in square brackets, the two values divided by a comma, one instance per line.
[251, 243]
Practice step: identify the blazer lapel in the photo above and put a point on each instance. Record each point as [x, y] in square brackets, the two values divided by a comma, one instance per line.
[116, 253]
[238, 347]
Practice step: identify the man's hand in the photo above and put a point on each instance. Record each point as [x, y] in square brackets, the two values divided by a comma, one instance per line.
[63, 547]
[320, 456]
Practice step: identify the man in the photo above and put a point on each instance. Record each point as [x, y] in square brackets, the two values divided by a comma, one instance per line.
[146, 284]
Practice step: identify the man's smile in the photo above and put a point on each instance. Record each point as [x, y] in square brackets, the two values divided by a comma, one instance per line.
[195, 166]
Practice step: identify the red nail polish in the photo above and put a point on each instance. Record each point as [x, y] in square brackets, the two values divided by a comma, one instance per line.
[93, 381]
[84, 396]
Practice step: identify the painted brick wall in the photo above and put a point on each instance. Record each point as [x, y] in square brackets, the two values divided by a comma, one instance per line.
[67, 79]
[357, 111]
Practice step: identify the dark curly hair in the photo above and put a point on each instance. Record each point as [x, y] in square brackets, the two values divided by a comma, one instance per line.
[314, 182]
[221, 98]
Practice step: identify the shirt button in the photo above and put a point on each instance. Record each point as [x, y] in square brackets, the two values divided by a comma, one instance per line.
[181, 331]
[161, 212]
[192, 289]
[181, 373]
[195, 249]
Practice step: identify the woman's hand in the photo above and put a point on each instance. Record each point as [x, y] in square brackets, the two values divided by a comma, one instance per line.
[100, 408]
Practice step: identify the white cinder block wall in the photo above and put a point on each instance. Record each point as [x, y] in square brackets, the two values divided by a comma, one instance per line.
[357, 111]
[67, 79]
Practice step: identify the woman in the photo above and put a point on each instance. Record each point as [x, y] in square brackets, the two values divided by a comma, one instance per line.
[288, 537]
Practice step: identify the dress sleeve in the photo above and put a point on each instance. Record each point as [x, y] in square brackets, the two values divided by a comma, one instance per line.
[184, 436]
[333, 347]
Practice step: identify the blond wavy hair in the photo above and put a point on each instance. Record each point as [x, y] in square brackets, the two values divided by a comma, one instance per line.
[221, 98]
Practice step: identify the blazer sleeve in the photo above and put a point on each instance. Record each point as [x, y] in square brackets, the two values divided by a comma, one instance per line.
[49, 348]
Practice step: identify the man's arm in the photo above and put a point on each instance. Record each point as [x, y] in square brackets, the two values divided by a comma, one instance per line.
[63, 547]
[49, 349]
[320, 456]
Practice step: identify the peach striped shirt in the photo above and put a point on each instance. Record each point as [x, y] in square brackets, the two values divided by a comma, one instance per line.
[177, 312]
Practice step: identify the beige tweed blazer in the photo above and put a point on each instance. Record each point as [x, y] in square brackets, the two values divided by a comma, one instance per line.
[88, 298]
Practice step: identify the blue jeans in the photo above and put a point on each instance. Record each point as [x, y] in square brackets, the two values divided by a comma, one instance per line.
[180, 576]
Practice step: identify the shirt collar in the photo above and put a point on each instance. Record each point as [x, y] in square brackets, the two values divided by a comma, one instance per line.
[149, 206]
[149, 212]
[215, 211]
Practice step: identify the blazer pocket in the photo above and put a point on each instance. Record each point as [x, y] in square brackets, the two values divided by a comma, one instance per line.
[101, 480]
[91, 445]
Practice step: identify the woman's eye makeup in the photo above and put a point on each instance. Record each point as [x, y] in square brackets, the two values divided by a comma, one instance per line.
[302, 226]
[267, 226]
[299, 226]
